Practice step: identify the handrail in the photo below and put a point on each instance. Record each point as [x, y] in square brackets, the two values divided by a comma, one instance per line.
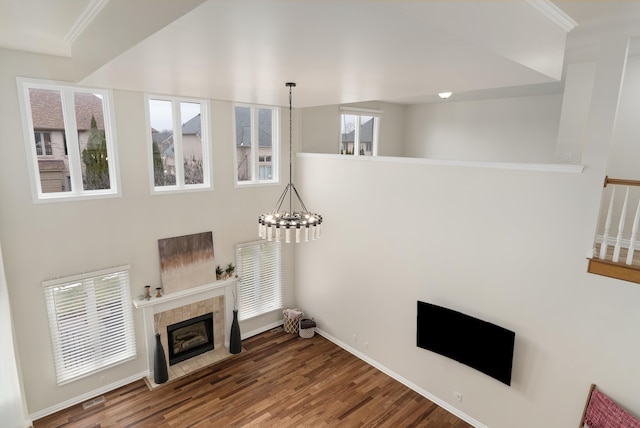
[622, 181]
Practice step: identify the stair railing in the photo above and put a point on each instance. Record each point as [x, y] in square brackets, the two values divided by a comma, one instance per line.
[622, 222]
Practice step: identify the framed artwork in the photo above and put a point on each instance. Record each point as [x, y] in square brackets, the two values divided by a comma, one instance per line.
[186, 261]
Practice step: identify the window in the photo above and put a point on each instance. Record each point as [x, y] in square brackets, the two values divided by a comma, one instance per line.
[43, 143]
[178, 143]
[90, 321]
[259, 266]
[70, 140]
[256, 144]
[359, 132]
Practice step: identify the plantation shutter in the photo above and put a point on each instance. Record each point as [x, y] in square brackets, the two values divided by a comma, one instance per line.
[259, 266]
[91, 322]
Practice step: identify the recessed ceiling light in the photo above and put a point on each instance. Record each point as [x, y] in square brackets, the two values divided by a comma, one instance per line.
[444, 95]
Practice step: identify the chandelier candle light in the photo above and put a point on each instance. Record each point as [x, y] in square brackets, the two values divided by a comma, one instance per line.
[281, 225]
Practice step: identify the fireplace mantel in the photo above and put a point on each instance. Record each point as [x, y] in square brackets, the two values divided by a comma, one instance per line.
[180, 298]
[183, 295]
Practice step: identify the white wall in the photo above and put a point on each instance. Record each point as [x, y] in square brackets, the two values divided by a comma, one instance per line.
[506, 246]
[12, 411]
[519, 129]
[46, 240]
[625, 152]
[574, 118]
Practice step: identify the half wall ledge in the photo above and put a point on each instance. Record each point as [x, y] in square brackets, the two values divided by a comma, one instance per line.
[518, 166]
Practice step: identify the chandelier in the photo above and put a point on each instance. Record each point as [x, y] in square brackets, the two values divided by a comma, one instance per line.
[289, 225]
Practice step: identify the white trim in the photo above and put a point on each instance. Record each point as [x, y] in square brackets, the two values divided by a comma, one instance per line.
[86, 396]
[83, 275]
[261, 329]
[448, 407]
[259, 292]
[206, 143]
[84, 20]
[187, 292]
[67, 91]
[360, 111]
[179, 298]
[115, 350]
[554, 13]
[276, 144]
[541, 167]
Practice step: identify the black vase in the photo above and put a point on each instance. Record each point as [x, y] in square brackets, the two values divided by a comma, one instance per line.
[235, 343]
[160, 372]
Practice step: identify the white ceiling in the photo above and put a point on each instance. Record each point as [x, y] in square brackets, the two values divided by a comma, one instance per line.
[337, 51]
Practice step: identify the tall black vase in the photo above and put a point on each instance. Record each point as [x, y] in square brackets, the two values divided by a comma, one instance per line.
[160, 371]
[235, 343]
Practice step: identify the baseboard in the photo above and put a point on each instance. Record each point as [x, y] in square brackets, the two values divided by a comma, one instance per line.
[261, 329]
[84, 397]
[402, 380]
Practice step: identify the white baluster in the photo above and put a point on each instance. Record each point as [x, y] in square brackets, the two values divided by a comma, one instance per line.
[607, 225]
[623, 215]
[634, 233]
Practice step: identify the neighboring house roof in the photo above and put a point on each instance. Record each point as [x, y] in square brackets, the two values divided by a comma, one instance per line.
[243, 124]
[193, 126]
[165, 138]
[46, 110]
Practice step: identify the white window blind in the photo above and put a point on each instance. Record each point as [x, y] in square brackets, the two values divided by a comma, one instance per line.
[91, 322]
[259, 266]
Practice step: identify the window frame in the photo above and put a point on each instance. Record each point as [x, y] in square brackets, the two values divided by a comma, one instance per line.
[359, 112]
[255, 147]
[71, 141]
[43, 145]
[253, 308]
[118, 349]
[206, 140]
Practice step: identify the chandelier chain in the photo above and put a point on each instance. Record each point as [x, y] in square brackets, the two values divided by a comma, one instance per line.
[280, 225]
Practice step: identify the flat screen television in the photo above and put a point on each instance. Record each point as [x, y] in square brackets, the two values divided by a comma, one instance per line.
[476, 343]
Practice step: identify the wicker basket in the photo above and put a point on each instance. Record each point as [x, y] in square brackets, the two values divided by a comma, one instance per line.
[292, 320]
[307, 328]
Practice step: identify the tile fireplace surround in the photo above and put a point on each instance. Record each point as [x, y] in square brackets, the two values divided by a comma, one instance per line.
[158, 312]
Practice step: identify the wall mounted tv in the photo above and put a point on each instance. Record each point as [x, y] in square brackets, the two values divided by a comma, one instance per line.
[478, 344]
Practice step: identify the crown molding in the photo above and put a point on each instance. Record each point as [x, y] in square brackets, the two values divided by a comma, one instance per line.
[554, 13]
[86, 17]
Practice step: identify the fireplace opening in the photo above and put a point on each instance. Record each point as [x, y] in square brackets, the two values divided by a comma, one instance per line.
[189, 338]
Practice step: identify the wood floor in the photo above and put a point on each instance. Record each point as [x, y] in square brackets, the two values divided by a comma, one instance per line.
[280, 380]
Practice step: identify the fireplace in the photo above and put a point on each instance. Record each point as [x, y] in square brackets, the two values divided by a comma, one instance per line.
[189, 338]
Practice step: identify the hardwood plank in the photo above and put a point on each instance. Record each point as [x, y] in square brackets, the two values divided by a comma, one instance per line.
[280, 380]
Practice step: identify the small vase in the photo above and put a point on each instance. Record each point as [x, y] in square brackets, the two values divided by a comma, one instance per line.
[160, 372]
[235, 343]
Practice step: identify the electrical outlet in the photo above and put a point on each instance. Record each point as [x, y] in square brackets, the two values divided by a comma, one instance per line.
[366, 345]
[457, 395]
[355, 337]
